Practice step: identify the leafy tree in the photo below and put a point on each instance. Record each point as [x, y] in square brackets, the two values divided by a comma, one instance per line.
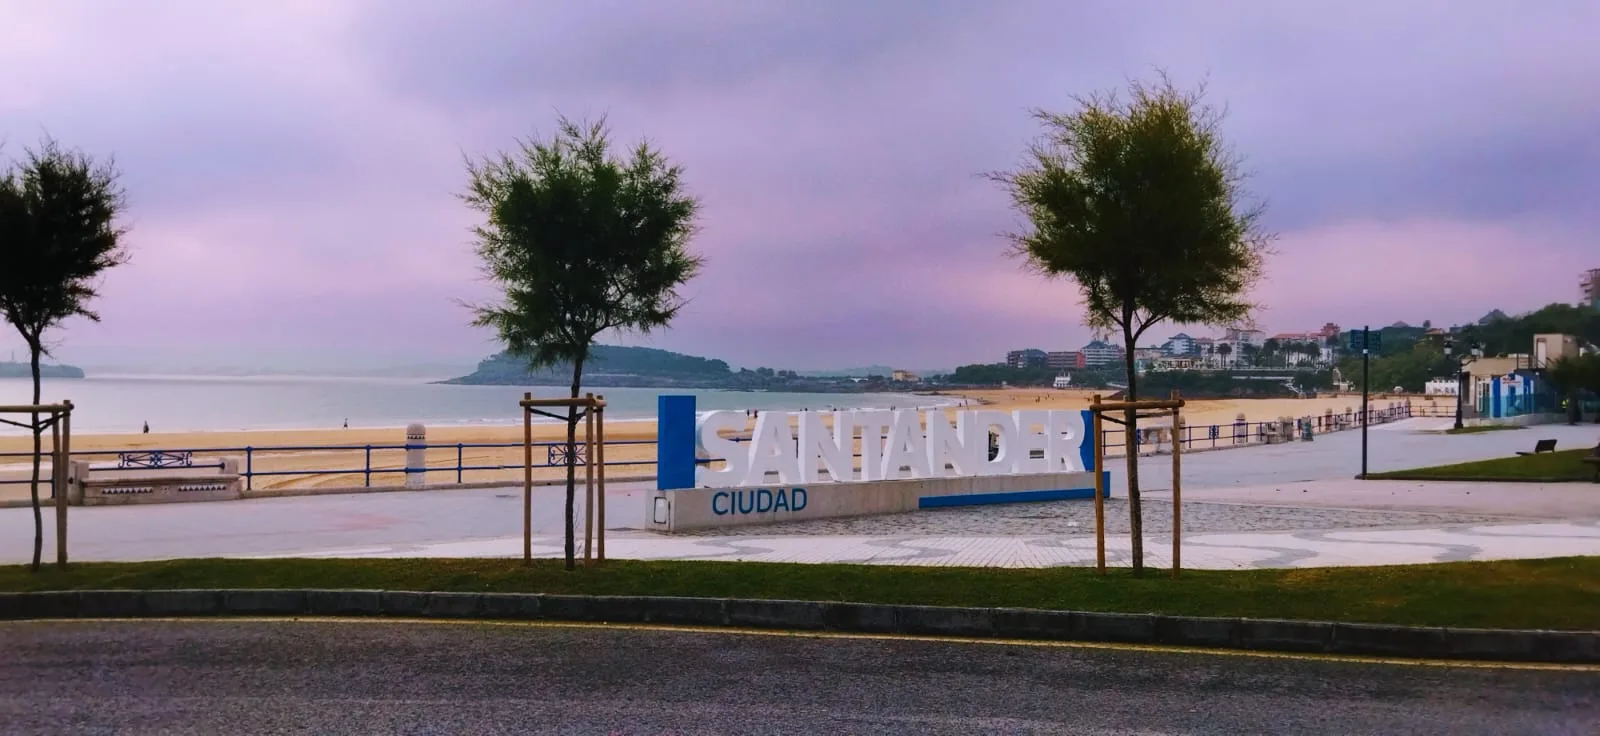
[1224, 350]
[581, 243]
[1570, 376]
[1141, 203]
[58, 234]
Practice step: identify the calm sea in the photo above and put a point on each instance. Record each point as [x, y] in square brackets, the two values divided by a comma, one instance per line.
[191, 403]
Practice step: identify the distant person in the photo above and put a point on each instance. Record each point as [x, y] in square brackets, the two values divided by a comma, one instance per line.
[147, 428]
[347, 424]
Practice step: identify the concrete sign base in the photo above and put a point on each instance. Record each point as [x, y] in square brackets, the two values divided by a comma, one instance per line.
[711, 508]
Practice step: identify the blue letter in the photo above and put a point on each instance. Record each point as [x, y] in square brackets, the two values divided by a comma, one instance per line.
[739, 498]
[763, 501]
[675, 456]
[799, 495]
[1086, 447]
[723, 495]
[782, 503]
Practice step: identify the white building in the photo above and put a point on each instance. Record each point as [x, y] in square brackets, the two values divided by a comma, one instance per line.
[1098, 352]
[1179, 344]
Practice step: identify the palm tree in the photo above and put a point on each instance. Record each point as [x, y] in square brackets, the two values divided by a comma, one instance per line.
[1223, 350]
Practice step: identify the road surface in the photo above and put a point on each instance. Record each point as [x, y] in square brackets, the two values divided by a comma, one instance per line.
[363, 676]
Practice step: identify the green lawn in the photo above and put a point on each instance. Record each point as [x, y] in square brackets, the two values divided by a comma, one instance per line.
[1554, 594]
[1563, 465]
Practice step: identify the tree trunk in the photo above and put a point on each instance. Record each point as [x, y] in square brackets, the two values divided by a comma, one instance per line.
[34, 349]
[572, 459]
[1131, 445]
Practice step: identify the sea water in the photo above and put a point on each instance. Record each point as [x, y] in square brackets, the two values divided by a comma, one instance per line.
[107, 404]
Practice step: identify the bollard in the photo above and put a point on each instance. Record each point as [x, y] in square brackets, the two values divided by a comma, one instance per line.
[416, 455]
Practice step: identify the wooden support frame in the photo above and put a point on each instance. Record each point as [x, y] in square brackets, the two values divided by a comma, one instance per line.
[60, 425]
[592, 414]
[1172, 407]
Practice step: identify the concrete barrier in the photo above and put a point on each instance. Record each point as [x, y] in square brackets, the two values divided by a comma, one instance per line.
[711, 508]
[90, 488]
[1568, 647]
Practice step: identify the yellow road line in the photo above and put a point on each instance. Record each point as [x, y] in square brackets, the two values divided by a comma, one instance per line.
[736, 631]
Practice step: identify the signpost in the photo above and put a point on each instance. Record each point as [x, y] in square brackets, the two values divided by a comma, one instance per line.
[1366, 342]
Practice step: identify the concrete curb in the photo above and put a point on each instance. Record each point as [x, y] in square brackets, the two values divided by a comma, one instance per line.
[1566, 647]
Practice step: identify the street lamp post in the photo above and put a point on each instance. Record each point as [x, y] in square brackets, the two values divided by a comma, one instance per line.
[1463, 378]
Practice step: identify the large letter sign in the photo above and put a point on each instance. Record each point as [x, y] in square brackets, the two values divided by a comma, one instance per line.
[794, 448]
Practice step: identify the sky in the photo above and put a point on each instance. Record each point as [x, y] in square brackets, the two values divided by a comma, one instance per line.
[292, 166]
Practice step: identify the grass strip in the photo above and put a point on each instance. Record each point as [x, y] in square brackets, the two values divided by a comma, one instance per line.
[1546, 467]
[1561, 593]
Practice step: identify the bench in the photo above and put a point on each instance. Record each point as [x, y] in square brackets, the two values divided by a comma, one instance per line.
[90, 486]
[1540, 447]
[1593, 458]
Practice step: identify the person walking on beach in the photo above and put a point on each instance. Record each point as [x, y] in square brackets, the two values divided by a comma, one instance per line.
[347, 423]
[147, 428]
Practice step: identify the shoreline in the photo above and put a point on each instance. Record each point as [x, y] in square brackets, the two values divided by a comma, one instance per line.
[1199, 412]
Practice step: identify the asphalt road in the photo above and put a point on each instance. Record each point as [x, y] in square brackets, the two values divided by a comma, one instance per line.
[354, 677]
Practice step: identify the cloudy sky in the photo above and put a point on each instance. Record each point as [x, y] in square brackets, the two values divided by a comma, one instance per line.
[291, 164]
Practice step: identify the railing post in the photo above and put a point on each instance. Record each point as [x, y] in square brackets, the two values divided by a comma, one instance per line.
[248, 467]
[416, 455]
[459, 463]
[366, 471]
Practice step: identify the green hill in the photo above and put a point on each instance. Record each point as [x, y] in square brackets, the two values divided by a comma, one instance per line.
[22, 370]
[607, 365]
[625, 367]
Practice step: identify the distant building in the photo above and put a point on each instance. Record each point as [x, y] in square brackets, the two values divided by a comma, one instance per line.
[1029, 358]
[1547, 348]
[1099, 352]
[1179, 344]
[904, 377]
[1064, 360]
[1591, 288]
[1063, 382]
[1240, 336]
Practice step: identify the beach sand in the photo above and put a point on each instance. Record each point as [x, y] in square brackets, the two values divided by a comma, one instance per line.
[213, 444]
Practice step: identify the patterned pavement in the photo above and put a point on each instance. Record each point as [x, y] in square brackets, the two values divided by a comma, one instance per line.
[1291, 505]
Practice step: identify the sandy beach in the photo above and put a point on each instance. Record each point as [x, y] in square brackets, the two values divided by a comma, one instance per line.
[618, 434]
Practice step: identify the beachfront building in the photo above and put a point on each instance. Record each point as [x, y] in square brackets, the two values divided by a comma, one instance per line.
[1179, 344]
[1063, 381]
[900, 376]
[1548, 348]
[1591, 288]
[1100, 353]
[1242, 336]
[1064, 360]
[1027, 358]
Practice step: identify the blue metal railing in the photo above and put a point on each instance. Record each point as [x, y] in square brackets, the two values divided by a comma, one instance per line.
[1241, 433]
[118, 460]
[554, 452]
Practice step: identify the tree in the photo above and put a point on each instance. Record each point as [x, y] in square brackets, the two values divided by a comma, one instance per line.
[1569, 375]
[1224, 350]
[581, 243]
[1142, 204]
[58, 234]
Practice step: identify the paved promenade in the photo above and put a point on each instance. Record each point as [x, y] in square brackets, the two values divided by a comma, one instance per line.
[1292, 505]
